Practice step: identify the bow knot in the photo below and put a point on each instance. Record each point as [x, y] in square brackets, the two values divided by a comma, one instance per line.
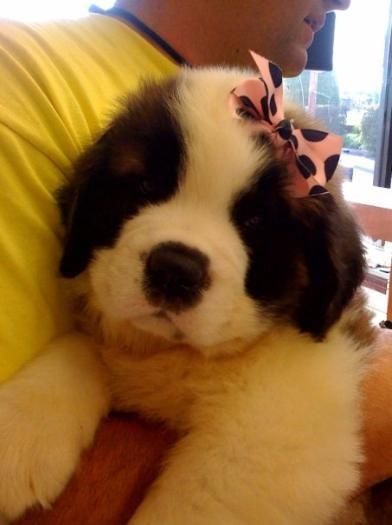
[316, 153]
[285, 129]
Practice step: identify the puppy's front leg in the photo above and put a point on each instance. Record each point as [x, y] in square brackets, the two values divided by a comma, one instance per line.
[48, 413]
[191, 490]
[247, 464]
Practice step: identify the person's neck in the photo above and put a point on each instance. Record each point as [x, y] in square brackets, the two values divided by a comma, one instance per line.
[174, 25]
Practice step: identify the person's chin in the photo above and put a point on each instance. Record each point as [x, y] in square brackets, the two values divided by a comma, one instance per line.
[294, 61]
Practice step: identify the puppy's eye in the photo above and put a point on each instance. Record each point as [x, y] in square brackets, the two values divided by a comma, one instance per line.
[252, 222]
[146, 186]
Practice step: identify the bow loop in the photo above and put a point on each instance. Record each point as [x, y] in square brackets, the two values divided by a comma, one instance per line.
[316, 153]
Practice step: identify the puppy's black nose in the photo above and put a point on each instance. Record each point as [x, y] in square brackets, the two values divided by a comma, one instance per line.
[175, 276]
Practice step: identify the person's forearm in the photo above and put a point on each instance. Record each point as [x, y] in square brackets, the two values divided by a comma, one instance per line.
[377, 412]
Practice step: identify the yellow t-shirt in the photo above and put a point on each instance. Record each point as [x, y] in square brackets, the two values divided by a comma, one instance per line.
[59, 85]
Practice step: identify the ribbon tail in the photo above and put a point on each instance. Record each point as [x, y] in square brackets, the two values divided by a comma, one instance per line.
[318, 154]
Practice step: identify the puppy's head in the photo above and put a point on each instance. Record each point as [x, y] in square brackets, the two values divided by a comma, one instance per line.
[185, 225]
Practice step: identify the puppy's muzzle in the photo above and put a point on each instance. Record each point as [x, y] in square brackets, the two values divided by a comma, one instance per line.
[175, 276]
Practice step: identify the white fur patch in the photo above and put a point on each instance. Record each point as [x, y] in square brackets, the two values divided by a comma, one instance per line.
[221, 159]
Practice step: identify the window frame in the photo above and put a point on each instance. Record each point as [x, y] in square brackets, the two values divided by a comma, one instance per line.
[383, 165]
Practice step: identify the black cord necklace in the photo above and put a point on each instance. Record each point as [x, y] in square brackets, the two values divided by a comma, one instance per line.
[143, 28]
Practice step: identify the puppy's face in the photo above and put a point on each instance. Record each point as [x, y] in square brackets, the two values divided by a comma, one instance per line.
[186, 226]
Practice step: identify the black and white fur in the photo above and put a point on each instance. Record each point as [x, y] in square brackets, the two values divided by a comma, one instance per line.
[211, 299]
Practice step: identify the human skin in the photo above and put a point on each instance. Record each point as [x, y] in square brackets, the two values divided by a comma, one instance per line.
[209, 32]
[377, 413]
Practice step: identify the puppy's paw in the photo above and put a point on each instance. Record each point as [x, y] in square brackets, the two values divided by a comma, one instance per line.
[48, 414]
[39, 452]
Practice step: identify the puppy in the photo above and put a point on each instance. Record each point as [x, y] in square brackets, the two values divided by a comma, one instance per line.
[213, 292]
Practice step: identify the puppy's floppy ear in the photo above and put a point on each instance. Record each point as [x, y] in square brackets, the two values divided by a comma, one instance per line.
[333, 256]
[93, 206]
[135, 163]
[79, 206]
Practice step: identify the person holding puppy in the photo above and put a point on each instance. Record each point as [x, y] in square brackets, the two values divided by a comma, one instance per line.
[60, 80]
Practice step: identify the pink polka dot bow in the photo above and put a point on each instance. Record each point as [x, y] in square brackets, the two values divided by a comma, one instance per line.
[312, 155]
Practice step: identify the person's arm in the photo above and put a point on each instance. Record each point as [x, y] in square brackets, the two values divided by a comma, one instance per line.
[113, 476]
[377, 411]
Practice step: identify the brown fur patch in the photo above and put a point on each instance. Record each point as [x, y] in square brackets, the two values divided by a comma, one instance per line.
[357, 322]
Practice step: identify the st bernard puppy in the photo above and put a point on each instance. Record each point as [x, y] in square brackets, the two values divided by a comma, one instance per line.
[209, 295]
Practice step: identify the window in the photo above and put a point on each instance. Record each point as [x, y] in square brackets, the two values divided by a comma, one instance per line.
[354, 99]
